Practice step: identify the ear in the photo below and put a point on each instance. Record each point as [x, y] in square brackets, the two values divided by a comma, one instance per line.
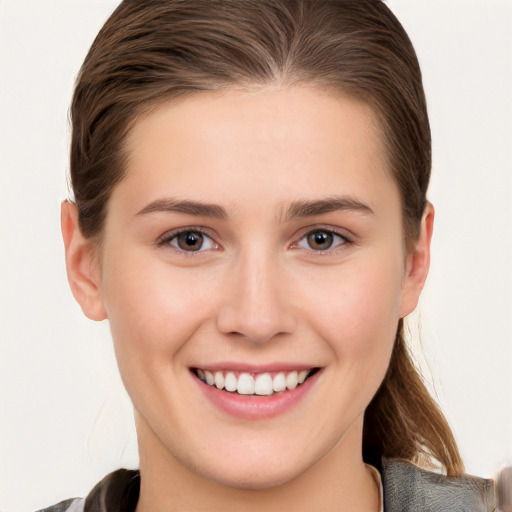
[82, 264]
[417, 264]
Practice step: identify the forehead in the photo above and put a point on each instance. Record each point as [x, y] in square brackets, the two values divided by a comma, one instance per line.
[283, 143]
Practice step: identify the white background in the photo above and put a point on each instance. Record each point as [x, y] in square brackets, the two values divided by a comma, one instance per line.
[65, 422]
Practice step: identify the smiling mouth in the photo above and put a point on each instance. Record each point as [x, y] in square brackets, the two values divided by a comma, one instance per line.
[255, 384]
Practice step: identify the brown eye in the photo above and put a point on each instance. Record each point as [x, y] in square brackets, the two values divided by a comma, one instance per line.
[320, 240]
[191, 241]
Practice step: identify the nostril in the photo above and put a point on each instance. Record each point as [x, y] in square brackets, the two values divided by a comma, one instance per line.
[255, 326]
[254, 304]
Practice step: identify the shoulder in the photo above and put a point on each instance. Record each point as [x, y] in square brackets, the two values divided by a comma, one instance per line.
[408, 487]
[72, 505]
[118, 491]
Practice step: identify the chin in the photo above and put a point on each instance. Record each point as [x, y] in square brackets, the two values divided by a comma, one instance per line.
[255, 480]
[255, 473]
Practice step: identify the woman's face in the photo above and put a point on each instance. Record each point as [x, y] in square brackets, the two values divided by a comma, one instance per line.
[255, 241]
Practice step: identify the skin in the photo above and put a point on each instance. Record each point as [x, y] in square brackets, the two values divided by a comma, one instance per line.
[256, 292]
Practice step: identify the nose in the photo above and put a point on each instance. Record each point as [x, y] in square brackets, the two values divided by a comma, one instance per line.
[256, 303]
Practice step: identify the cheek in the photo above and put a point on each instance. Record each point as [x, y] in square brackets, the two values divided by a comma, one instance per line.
[153, 309]
[358, 312]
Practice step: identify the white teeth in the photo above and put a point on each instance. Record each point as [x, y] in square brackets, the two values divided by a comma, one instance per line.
[209, 377]
[279, 382]
[302, 376]
[218, 378]
[230, 383]
[263, 384]
[253, 384]
[292, 380]
[245, 384]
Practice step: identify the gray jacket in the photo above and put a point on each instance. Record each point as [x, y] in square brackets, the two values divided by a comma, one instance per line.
[407, 488]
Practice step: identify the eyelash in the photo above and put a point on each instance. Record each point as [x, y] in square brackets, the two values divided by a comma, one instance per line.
[167, 240]
[343, 240]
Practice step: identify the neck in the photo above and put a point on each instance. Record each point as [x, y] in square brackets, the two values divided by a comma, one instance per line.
[338, 481]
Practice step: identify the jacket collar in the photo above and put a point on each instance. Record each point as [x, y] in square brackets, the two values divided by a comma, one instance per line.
[407, 488]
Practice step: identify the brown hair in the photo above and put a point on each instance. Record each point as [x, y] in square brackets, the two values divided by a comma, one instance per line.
[152, 51]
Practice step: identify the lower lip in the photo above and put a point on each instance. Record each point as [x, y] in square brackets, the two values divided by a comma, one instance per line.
[255, 407]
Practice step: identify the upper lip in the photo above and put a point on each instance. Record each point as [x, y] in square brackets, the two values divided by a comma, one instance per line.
[251, 368]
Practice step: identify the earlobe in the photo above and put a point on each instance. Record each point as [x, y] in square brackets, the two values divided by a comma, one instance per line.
[82, 267]
[418, 263]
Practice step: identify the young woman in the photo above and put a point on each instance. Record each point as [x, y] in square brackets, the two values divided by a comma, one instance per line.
[250, 215]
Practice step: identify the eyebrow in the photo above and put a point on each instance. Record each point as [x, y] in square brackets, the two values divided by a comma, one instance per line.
[297, 209]
[307, 208]
[185, 206]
